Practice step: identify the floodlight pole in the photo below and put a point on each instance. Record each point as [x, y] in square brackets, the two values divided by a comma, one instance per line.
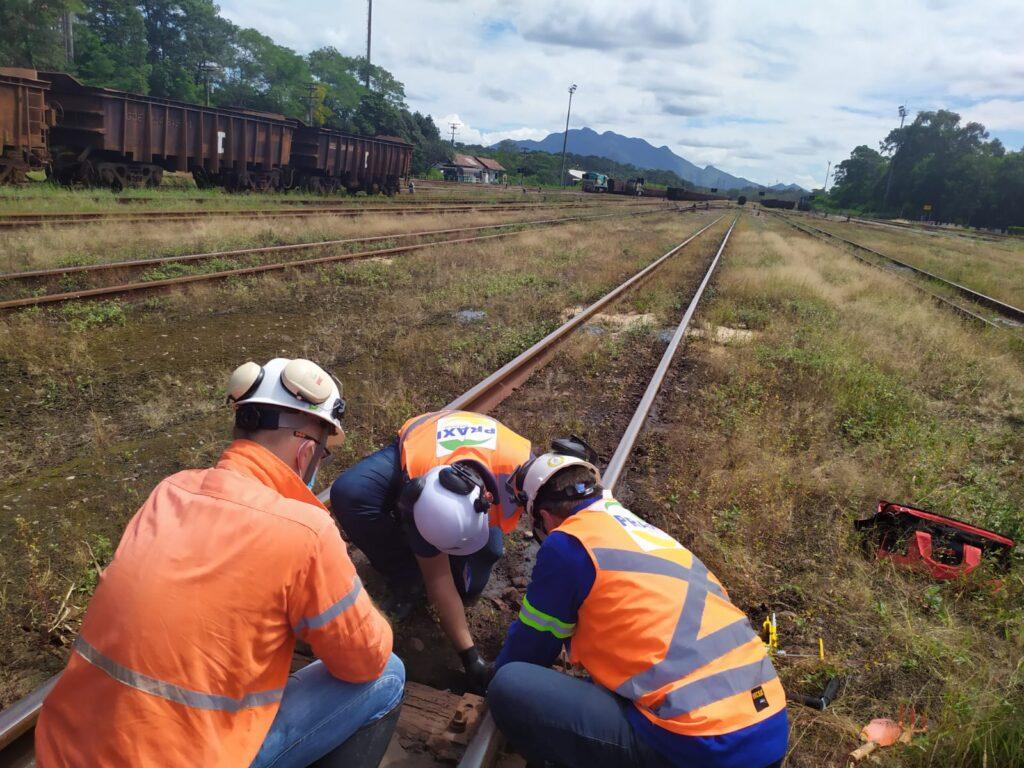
[892, 162]
[827, 172]
[369, 28]
[565, 136]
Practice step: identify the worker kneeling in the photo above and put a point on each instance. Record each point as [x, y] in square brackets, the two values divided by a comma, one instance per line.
[430, 508]
[185, 649]
[679, 677]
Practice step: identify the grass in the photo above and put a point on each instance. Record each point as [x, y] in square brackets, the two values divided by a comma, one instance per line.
[40, 248]
[992, 267]
[120, 406]
[764, 453]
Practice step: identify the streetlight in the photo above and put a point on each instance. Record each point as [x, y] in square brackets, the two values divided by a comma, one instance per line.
[892, 162]
[565, 136]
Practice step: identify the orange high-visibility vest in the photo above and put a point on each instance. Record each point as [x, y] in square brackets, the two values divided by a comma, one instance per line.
[658, 628]
[445, 437]
[187, 643]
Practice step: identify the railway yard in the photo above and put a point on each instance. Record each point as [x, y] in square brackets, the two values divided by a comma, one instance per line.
[828, 364]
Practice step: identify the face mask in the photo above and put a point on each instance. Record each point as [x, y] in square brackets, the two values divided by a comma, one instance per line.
[312, 480]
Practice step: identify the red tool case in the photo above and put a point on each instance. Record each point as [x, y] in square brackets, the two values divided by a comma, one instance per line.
[943, 547]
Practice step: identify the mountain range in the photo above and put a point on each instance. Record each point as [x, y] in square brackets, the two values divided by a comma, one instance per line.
[642, 154]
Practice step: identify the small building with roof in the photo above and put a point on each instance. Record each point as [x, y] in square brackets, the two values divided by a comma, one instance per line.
[475, 170]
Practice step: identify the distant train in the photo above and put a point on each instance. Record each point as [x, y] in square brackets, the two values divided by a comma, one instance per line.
[80, 134]
[771, 202]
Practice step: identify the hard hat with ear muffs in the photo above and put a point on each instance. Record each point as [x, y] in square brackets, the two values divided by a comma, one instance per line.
[527, 483]
[448, 506]
[295, 385]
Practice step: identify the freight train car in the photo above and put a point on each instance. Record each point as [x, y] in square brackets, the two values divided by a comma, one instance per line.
[24, 121]
[681, 193]
[771, 202]
[325, 160]
[634, 187]
[117, 139]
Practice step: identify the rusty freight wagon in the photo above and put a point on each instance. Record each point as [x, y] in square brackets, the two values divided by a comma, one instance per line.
[116, 139]
[24, 121]
[325, 160]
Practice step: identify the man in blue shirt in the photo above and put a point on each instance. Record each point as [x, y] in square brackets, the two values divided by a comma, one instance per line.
[584, 595]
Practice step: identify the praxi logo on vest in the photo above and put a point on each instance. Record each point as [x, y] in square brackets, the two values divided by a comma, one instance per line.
[466, 431]
[648, 537]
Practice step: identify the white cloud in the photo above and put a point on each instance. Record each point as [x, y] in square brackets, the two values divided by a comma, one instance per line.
[767, 91]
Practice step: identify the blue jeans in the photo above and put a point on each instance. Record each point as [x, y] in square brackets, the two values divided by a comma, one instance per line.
[363, 499]
[319, 712]
[553, 718]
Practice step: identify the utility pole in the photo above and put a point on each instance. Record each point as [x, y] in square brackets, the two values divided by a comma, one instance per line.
[827, 172]
[565, 136]
[207, 68]
[369, 28]
[454, 127]
[892, 161]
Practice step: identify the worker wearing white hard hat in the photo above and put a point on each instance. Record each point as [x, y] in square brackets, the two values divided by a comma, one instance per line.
[185, 650]
[430, 510]
[677, 676]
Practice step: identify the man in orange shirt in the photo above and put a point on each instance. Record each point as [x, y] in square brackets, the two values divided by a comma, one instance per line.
[185, 649]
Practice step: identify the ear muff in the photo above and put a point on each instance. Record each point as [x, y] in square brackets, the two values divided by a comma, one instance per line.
[307, 381]
[245, 380]
[576, 446]
[460, 479]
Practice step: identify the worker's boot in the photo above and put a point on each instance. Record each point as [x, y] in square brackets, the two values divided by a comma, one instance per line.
[365, 747]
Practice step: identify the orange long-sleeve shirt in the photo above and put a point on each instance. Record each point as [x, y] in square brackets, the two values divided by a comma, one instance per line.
[187, 642]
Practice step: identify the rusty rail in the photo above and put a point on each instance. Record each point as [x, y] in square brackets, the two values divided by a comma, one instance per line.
[26, 220]
[485, 743]
[1006, 310]
[111, 290]
[190, 257]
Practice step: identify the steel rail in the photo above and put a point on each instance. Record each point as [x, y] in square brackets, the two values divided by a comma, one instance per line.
[964, 311]
[26, 221]
[485, 743]
[20, 718]
[500, 384]
[33, 217]
[189, 257]
[111, 290]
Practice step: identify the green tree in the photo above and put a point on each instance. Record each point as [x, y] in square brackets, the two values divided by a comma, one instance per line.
[183, 36]
[110, 46]
[859, 179]
[267, 76]
[31, 34]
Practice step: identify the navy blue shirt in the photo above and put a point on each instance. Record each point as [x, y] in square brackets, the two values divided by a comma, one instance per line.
[562, 578]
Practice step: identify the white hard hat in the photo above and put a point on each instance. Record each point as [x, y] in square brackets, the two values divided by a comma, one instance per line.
[451, 510]
[296, 385]
[528, 481]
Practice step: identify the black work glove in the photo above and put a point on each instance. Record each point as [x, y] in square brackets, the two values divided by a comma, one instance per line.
[478, 671]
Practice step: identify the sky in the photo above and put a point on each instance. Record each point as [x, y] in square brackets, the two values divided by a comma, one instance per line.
[771, 91]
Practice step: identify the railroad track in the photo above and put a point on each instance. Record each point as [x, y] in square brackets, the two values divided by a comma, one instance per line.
[18, 721]
[1009, 314]
[14, 221]
[145, 285]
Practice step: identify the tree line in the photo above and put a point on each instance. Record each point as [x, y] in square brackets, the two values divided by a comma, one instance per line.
[935, 168]
[185, 50]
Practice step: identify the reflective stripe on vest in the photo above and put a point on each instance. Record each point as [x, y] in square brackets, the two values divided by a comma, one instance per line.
[686, 653]
[169, 691]
[315, 622]
[544, 622]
